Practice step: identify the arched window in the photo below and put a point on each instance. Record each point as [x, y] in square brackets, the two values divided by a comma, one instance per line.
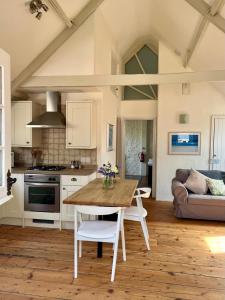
[144, 61]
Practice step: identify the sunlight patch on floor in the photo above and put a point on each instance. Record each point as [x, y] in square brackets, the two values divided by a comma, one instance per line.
[216, 244]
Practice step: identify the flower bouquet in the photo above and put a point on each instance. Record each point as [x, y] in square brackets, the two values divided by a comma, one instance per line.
[109, 173]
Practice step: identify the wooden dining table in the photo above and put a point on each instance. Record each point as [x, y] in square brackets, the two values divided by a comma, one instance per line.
[121, 195]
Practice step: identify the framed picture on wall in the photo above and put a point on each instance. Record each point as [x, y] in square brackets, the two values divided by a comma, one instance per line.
[109, 136]
[184, 143]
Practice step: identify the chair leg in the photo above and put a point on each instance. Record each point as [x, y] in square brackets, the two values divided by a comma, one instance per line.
[145, 232]
[123, 241]
[80, 248]
[75, 258]
[114, 260]
[146, 228]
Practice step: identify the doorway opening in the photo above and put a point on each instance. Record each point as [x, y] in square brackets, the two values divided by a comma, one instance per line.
[139, 151]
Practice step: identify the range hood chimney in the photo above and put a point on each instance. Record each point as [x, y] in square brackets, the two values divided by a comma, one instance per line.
[52, 118]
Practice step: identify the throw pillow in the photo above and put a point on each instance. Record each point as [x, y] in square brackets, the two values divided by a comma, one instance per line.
[217, 187]
[196, 183]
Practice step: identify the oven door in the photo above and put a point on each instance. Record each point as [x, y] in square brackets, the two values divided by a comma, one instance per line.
[42, 197]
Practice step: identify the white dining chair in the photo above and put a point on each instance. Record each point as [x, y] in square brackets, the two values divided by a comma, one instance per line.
[138, 213]
[98, 231]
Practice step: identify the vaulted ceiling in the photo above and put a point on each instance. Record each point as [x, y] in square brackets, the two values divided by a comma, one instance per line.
[173, 22]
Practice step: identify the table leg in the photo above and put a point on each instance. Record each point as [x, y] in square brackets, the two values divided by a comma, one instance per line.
[99, 250]
[99, 247]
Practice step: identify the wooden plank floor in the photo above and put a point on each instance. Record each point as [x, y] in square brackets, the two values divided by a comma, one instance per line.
[38, 263]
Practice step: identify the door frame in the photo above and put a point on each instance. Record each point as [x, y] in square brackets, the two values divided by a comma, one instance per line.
[154, 147]
[212, 138]
[6, 125]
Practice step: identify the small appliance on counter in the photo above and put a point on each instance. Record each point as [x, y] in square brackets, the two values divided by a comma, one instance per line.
[75, 164]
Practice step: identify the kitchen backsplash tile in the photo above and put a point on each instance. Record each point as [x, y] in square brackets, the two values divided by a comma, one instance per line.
[53, 150]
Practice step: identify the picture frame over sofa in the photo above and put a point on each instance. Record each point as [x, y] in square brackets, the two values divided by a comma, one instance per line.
[184, 143]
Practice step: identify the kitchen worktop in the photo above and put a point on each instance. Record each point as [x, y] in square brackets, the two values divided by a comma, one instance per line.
[68, 171]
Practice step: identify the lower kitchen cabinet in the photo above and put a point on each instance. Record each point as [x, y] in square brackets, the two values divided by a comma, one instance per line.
[70, 185]
[67, 211]
[12, 212]
[14, 208]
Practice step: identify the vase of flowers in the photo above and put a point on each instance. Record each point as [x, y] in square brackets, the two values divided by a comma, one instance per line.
[109, 173]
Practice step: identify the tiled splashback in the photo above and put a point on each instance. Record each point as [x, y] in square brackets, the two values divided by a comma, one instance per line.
[53, 151]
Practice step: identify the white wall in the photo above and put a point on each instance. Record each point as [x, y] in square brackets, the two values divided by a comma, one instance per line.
[139, 110]
[75, 56]
[109, 113]
[202, 102]
[105, 51]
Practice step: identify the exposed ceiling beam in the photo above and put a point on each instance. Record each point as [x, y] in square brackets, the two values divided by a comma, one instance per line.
[88, 10]
[204, 8]
[60, 12]
[213, 10]
[194, 41]
[64, 82]
[216, 7]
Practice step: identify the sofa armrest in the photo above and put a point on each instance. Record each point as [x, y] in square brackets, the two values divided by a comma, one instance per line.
[179, 192]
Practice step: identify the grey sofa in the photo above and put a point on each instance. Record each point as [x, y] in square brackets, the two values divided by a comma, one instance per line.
[194, 206]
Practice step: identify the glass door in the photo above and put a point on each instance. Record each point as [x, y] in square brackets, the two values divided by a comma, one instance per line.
[5, 125]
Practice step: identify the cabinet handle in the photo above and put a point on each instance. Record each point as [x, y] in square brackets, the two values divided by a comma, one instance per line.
[64, 188]
[73, 179]
[70, 143]
[28, 142]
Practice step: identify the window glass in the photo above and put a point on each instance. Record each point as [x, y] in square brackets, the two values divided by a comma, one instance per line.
[144, 61]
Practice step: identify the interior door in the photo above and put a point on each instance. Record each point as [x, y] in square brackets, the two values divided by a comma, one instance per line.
[5, 125]
[217, 153]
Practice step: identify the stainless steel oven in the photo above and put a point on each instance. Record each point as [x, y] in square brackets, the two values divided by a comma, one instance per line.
[42, 193]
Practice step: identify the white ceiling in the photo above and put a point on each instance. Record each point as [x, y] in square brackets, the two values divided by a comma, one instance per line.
[173, 21]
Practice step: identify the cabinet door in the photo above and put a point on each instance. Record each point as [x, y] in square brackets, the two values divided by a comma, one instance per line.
[79, 124]
[22, 114]
[66, 209]
[14, 208]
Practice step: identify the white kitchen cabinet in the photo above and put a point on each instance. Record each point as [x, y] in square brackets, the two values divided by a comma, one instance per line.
[14, 208]
[67, 211]
[81, 124]
[69, 185]
[22, 113]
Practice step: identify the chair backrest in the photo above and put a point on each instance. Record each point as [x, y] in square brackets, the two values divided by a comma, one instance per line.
[96, 210]
[143, 192]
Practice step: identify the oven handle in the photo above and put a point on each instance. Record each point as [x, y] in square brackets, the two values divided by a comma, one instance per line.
[41, 184]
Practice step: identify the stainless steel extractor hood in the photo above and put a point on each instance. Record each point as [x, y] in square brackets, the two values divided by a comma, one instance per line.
[52, 118]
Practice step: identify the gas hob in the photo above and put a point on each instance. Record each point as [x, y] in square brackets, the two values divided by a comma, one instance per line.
[46, 168]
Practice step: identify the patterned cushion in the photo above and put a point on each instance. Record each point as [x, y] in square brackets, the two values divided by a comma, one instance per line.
[196, 183]
[217, 187]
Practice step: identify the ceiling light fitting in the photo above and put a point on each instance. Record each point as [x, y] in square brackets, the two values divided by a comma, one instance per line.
[36, 7]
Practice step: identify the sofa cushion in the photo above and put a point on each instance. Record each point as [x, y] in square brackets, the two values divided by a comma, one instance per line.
[196, 183]
[206, 200]
[212, 174]
[217, 187]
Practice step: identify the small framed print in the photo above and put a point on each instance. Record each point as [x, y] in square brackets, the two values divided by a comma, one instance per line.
[184, 143]
[109, 143]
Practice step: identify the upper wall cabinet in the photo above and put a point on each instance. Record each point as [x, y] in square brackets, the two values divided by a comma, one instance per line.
[22, 113]
[81, 124]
